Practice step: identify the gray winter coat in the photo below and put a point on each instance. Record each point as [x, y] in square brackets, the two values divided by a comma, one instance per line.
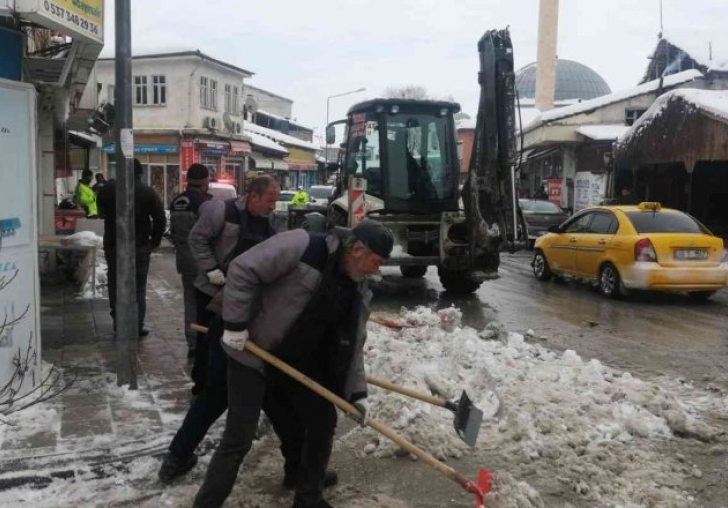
[214, 239]
[272, 279]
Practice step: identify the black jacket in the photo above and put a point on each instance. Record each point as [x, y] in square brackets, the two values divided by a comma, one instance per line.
[149, 217]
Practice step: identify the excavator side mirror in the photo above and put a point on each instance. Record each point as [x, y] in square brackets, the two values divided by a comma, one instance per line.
[330, 135]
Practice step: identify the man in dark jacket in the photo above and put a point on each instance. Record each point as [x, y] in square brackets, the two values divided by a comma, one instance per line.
[223, 230]
[149, 224]
[183, 214]
[304, 297]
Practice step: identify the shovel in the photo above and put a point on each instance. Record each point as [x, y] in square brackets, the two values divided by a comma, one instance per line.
[479, 488]
[468, 418]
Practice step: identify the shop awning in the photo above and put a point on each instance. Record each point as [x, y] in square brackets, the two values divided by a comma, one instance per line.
[240, 148]
[302, 167]
[264, 163]
[142, 149]
[82, 139]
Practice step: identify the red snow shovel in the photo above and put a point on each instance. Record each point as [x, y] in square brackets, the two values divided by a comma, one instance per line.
[479, 488]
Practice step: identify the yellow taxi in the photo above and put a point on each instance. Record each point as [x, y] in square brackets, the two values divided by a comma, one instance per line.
[640, 246]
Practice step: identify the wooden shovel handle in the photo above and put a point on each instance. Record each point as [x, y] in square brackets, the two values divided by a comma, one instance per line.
[424, 397]
[383, 429]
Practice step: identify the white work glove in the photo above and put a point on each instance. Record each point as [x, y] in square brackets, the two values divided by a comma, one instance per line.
[216, 277]
[235, 340]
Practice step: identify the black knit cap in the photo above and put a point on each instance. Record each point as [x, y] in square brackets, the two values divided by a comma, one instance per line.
[374, 235]
[138, 169]
[198, 174]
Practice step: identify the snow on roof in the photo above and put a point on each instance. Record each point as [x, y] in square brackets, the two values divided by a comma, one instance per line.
[279, 136]
[600, 102]
[714, 102]
[264, 142]
[466, 123]
[607, 132]
[708, 48]
[283, 118]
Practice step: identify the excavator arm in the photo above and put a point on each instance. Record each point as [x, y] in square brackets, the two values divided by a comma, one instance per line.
[489, 193]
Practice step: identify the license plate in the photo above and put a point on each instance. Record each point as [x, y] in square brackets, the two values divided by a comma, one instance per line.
[698, 254]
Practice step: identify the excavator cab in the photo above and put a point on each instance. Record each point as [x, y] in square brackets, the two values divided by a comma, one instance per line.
[405, 150]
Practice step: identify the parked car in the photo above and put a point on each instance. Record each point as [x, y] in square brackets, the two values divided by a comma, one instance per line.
[284, 200]
[321, 195]
[222, 191]
[540, 215]
[634, 247]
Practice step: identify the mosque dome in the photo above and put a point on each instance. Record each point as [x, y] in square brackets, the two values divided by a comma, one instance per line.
[573, 81]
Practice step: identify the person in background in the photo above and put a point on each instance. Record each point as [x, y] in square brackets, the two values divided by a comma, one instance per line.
[100, 182]
[183, 214]
[626, 197]
[149, 224]
[84, 197]
[304, 297]
[300, 198]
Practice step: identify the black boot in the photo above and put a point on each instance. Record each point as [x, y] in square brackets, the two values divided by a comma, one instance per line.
[291, 479]
[174, 466]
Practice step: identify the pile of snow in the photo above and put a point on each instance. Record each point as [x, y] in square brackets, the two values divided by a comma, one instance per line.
[549, 416]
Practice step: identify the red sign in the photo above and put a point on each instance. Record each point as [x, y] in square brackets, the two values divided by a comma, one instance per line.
[553, 186]
[186, 158]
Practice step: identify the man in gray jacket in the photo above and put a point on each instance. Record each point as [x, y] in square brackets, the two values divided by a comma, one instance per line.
[304, 297]
[183, 214]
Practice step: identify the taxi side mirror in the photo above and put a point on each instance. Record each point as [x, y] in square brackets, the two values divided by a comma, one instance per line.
[554, 229]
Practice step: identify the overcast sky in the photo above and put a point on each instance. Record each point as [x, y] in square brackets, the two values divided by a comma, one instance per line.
[309, 50]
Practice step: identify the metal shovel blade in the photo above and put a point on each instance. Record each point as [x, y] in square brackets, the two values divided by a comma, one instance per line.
[468, 419]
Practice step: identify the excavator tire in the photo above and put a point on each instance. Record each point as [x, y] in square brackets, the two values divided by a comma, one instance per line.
[336, 217]
[458, 282]
[413, 272]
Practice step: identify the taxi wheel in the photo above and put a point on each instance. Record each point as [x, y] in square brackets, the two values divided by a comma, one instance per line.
[700, 296]
[540, 266]
[609, 281]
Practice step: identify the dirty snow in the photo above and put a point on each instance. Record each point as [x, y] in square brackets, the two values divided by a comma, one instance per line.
[91, 239]
[553, 421]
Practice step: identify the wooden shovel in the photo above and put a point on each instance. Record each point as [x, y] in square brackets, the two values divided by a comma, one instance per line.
[479, 488]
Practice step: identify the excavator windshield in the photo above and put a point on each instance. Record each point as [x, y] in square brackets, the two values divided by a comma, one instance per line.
[408, 158]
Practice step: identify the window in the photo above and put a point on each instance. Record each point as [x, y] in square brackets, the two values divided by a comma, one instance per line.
[603, 224]
[204, 92]
[236, 100]
[110, 98]
[213, 94]
[534, 206]
[140, 91]
[159, 90]
[631, 115]
[579, 224]
[228, 98]
[665, 222]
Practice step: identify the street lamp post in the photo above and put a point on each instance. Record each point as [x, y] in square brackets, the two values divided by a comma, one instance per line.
[328, 99]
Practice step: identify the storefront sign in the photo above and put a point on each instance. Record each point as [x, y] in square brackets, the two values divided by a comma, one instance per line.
[144, 149]
[238, 148]
[588, 189]
[553, 187]
[76, 18]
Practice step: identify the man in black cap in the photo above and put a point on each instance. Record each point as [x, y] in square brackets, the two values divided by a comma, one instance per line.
[149, 224]
[304, 297]
[183, 214]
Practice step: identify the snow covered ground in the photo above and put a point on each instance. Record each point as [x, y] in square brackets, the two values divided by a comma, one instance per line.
[588, 431]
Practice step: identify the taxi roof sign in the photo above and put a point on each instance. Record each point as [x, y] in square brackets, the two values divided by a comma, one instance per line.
[652, 206]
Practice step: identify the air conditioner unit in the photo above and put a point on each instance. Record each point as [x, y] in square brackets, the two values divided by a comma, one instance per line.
[210, 122]
[238, 128]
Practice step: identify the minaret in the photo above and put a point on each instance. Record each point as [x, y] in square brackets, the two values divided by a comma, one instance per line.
[548, 30]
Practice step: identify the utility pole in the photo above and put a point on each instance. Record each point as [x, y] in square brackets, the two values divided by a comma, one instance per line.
[126, 311]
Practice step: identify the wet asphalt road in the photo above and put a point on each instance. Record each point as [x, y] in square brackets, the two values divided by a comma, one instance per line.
[648, 334]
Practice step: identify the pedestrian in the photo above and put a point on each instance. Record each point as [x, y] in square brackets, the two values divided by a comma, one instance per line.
[84, 197]
[302, 296]
[183, 214]
[149, 224]
[100, 182]
[626, 197]
[224, 230]
[300, 198]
